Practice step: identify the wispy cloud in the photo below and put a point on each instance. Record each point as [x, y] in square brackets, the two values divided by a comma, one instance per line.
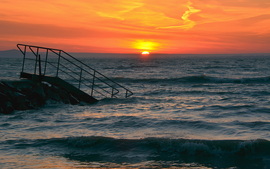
[187, 23]
[119, 9]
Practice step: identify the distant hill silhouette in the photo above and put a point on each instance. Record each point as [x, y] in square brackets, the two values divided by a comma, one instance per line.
[14, 53]
[10, 53]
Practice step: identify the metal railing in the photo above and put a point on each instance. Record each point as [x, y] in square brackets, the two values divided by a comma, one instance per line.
[58, 63]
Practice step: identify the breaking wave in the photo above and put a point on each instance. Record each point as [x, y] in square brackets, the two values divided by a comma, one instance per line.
[196, 79]
[117, 150]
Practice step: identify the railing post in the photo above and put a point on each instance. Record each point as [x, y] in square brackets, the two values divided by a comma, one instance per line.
[93, 83]
[24, 53]
[36, 54]
[46, 59]
[112, 92]
[80, 78]
[39, 65]
[58, 64]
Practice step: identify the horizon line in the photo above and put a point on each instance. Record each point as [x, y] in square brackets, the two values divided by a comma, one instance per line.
[153, 53]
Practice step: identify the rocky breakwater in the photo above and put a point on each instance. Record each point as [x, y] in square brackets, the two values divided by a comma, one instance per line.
[25, 94]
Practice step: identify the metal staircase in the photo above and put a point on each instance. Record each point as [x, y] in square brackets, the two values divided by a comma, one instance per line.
[50, 65]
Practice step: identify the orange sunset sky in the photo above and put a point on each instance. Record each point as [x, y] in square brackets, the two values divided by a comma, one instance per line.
[133, 26]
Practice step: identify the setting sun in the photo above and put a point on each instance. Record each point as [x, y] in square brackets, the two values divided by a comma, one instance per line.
[145, 46]
[145, 53]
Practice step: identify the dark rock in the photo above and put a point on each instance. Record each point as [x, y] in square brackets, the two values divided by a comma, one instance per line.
[73, 100]
[51, 93]
[5, 104]
[20, 101]
[64, 95]
[27, 94]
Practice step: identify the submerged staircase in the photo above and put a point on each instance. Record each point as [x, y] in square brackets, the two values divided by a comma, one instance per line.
[60, 69]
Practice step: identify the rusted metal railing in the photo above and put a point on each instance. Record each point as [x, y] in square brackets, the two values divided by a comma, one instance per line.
[58, 63]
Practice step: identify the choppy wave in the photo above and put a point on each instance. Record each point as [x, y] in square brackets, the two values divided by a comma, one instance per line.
[196, 79]
[105, 148]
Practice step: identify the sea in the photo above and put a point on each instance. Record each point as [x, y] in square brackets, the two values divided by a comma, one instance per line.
[187, 112]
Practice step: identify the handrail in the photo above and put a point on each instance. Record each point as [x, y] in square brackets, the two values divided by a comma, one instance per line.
[100, 84]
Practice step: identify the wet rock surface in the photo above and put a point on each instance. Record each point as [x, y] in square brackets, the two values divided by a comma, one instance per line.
[26, 94]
